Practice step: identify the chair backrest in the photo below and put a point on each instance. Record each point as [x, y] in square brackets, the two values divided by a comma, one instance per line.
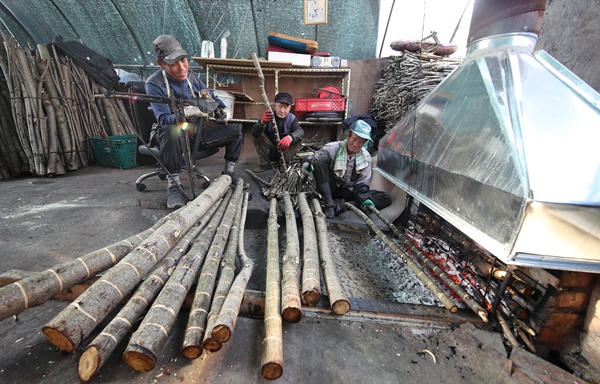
[143, 117]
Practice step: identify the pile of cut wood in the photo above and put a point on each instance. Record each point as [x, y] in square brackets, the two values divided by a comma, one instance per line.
[406, 80]
[48, 113]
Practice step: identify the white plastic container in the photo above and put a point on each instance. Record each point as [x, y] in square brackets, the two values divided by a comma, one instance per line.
[228, 99]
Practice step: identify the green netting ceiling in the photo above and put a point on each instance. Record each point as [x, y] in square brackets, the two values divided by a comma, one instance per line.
[123, 30]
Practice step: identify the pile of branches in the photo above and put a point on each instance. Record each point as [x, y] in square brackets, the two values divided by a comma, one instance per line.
[406, 80]
[48, 112]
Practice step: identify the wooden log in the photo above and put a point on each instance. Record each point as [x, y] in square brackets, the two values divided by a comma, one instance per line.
[225, 323]
[271, 359]
[226, 276]
[291, 306]
[196, 325]
[429, 283]
[267, 103]
[311, 273]
[337, 295]
[512, 340]
[68, 329]
[146, 344]
[40, 287]
[97, 352]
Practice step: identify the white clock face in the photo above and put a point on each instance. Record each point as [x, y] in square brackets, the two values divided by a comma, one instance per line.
[315, 11]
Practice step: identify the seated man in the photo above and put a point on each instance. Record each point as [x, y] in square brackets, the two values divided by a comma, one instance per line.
[175, 79]
[342, 171]
[290, 133]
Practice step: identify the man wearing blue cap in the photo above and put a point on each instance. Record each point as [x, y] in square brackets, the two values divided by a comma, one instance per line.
[342, 171]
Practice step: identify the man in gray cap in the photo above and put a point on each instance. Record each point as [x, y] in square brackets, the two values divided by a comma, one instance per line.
[342, 171]
[290, 133]
[175, 80]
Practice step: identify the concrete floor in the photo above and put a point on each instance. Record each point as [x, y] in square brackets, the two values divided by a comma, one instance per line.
[46, 221]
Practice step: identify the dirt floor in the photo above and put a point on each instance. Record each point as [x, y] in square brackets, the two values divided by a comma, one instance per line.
[396, 331]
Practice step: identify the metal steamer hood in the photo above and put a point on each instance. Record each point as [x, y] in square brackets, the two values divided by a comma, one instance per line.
[506, 148]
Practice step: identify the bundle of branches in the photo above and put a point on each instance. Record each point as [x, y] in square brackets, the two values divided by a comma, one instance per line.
[292, 181]
[48, 112]
[406, 80]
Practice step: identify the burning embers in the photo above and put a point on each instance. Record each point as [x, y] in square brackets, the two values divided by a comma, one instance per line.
[510, 298]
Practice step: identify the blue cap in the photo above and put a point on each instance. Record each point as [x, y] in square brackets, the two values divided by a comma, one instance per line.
[361, 128]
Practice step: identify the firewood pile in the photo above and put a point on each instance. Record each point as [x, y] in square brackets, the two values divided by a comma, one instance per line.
[406, 80]
[48, 113]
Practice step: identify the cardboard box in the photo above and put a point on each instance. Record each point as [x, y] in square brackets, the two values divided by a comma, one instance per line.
[297, 59]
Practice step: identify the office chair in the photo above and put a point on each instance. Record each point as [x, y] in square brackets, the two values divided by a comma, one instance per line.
[144, 121]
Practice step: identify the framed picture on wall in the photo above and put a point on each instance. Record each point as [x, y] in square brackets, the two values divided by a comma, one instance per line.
[315, 12]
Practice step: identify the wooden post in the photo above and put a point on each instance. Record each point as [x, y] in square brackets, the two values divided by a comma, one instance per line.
[337, 296]
[146, 344]
[71, 326]
[311, 274]
[225, 323]
[291, 307]
[271, 360]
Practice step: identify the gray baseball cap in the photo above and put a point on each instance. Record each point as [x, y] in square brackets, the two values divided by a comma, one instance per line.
[168, 49]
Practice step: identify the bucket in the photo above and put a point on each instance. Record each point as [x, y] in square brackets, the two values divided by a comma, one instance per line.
[228, 99]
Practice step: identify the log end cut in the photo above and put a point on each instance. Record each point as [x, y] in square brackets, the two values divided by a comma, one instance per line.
[211, 345]
[311, 297]
[192, 351]
[340, 307]
[291, 315]
[139, 361]
[89, 363]
[221, 333]
[59, 339]
[272, 370]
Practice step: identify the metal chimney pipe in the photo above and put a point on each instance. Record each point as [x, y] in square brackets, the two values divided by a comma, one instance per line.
[495, 17]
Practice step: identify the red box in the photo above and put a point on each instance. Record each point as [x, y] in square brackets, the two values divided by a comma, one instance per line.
[318, 105]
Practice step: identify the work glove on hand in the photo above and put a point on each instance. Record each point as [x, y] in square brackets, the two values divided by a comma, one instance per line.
[307, 167]
[367, 205]
[285, 142]
[193, 111]
[221, 115]
[266, 117]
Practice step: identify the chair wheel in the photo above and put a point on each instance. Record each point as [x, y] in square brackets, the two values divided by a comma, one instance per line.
[140, 187]
[206, 184]
[162, 176]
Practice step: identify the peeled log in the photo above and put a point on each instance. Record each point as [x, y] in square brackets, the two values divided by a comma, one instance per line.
[225, 323]
[196, 325]
[146, 344]
[291, 306]
[40, 287]
[271, 359]
[226, 275]
[71, 326]
[99, 350]
[337, 296]
[311, 274]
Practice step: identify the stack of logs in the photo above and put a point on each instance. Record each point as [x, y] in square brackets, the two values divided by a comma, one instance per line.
[406, 80]
[155, 270]
[48, 113]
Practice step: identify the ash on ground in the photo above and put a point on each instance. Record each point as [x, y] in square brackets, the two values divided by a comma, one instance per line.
[369, 269]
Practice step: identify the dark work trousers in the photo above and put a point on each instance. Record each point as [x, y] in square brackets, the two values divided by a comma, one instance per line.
[324, 174]
[171, 154]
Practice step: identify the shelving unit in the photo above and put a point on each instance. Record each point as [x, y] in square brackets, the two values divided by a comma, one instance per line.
[279, 76]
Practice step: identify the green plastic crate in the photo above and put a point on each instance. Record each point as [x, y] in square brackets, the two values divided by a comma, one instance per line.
[116, 152]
